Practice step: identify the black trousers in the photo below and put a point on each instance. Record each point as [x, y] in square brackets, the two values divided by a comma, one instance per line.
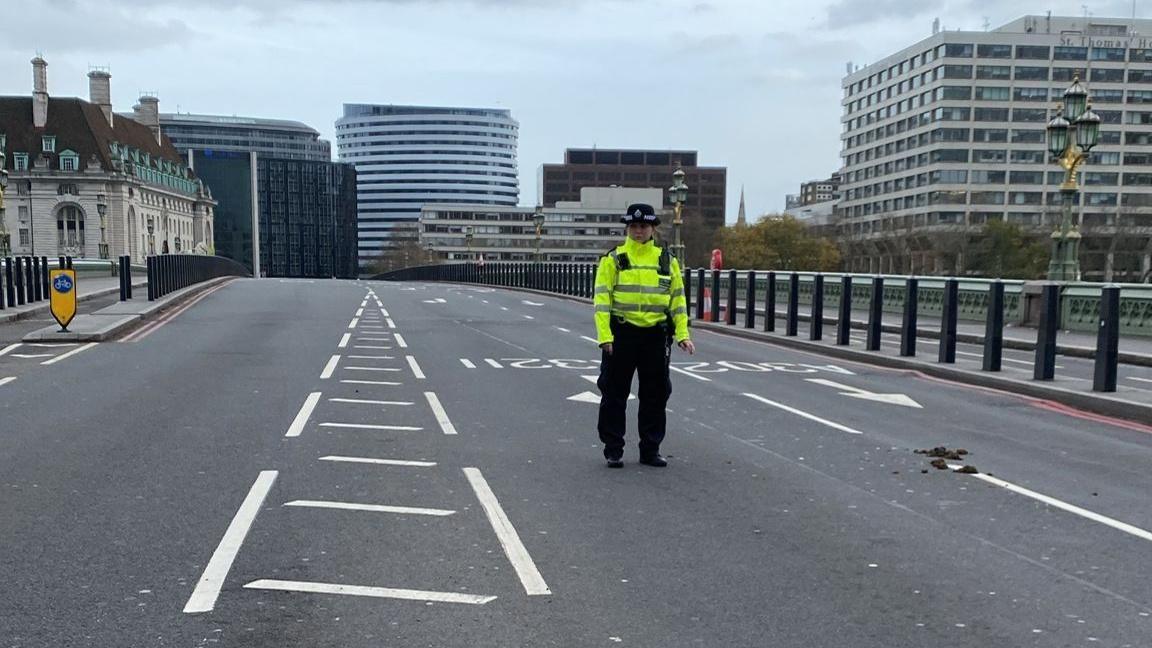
[646, 351]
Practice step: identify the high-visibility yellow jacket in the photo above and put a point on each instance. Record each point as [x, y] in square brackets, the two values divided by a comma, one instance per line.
[639, 294]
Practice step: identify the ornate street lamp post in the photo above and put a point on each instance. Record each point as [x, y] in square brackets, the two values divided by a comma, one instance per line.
[678, 192]
[151, 237]
[5, 237]
[468, 240]
[102, 210]
[1071, 135]
[538, 221]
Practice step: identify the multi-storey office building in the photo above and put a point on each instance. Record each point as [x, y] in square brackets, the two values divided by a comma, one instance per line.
[410, 156]
[305, 214]
[276, 138]
[571, 230]
[640, 169]
[948, 134]
[818, 191]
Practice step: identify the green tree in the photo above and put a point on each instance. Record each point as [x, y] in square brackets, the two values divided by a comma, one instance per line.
[777, 243]
[1005, 251]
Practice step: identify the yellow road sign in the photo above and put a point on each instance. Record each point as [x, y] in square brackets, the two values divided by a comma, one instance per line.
[63, 284]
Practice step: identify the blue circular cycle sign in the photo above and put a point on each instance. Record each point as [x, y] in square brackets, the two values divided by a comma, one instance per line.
[62, 284]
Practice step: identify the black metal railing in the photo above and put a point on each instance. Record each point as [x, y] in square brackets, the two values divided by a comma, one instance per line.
[168, 273]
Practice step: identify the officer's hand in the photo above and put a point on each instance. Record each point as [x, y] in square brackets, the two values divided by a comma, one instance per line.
[687, 345]
[607, 346]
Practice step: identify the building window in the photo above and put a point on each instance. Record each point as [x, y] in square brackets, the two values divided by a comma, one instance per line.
[1141, 55]
[990, 135]
[1107, 53]
[990, 114]
[1036, 115]
[1030, 94]
[1066, 53]
[1140, 96]
[1108, 96]
[1110, 75]
[67, 190]
[70, 227]
[48, 144]
[1067, 74]
[957, 71]
[993, 51]
[999, 72]
[1036, 52]
[69, 161]
[985, 93]
[958, 50]
[25, 237]
[1024, 73]
[988, 177]
[1026, 177]
[20, 161]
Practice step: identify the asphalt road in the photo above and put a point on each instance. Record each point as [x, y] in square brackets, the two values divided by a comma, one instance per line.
[292, 463]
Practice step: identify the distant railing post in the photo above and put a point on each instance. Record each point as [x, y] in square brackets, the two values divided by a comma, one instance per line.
[715, 297]
[844, 317]
[908, 328]
[1107, 340]
[875, 314]
[816, 326]
[947, 352]
[770, 303]
[730, 318]
[994, 328]
[750, 301]
[1045, 365]
[792, 323]
[700, 294]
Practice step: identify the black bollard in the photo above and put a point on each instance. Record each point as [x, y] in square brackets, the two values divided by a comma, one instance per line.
[792, 321]
[875, 314]
[816, 326]
[1045, 366]
[730, 320]
[947, 352]
[1107, 340]
[908, 325]
[715, 305]
[9, 283]
[150, 262]
[844, 318]
[21, 288]
[700, 294]
[994, 328]
[770, 303]
[750, 301]
[31, 281]
[63, 263]
[45, 287]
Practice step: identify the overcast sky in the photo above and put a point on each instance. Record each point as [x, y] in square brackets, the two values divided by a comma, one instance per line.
[754, 85]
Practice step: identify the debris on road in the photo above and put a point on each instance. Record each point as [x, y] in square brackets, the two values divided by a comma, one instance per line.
[944, 453]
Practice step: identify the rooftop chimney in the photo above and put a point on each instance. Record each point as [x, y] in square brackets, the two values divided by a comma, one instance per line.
[39, 92]
[148, 113]
[100, 92]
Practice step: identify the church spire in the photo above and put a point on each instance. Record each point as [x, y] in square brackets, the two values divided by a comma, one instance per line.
[741, 221]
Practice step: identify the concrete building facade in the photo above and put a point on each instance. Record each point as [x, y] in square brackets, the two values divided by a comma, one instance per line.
[407, 157]
[87, 182]
[572, 231]
[948, 134]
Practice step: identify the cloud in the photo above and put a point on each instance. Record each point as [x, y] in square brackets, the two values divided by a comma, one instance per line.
[89, 28]
[846, 14]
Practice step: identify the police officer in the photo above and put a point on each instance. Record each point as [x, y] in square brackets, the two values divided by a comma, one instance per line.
[640, 311]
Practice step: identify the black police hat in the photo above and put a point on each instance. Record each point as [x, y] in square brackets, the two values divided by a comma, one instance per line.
[640, 213]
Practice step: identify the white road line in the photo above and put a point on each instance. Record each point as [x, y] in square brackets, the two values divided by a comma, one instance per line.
[303, 415]
[330, 367]
[529, 317]
[382, 311]
[380, 462]
[1065, 506]
[371, 369]
[31, 356]
[1002, 358]
[1140, 379]
[354, 322]
[372, 592]
[344, 341]
[370, 382]
[467, 363]
[368, 346]
[367, 357]
[689, 373]
[441, 415]
[811, 417]
[495, 365]
[590, 339]
[5, 381]
[400, 340]
[374, 508]
[415, 368]
[70, 353]
[561, 328]
[364, 339]
[364, 401]
[517, 554]
[203, 598]
[49, 345]
[8, 349]
[503, 308]
[373, 426]
[360, 311]
[391, 324]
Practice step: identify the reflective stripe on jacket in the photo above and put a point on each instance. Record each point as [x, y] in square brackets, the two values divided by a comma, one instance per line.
[639, 295]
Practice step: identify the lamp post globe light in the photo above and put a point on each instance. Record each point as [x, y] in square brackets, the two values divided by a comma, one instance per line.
[538, 221]
[1071, 135]
[678, 192]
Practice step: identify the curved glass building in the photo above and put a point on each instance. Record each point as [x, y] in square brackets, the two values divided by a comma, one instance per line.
[407, 156]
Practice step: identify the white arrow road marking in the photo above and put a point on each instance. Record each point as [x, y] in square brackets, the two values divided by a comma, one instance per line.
[863, 394]
[467, 363]
[591, 397]
[70, 353]
[530, 303]
[5, 381]
[689, 373]
[10, 348]
[373, 592]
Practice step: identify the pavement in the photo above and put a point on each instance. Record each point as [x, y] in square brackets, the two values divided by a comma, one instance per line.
[88, 288]
[355, 464]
